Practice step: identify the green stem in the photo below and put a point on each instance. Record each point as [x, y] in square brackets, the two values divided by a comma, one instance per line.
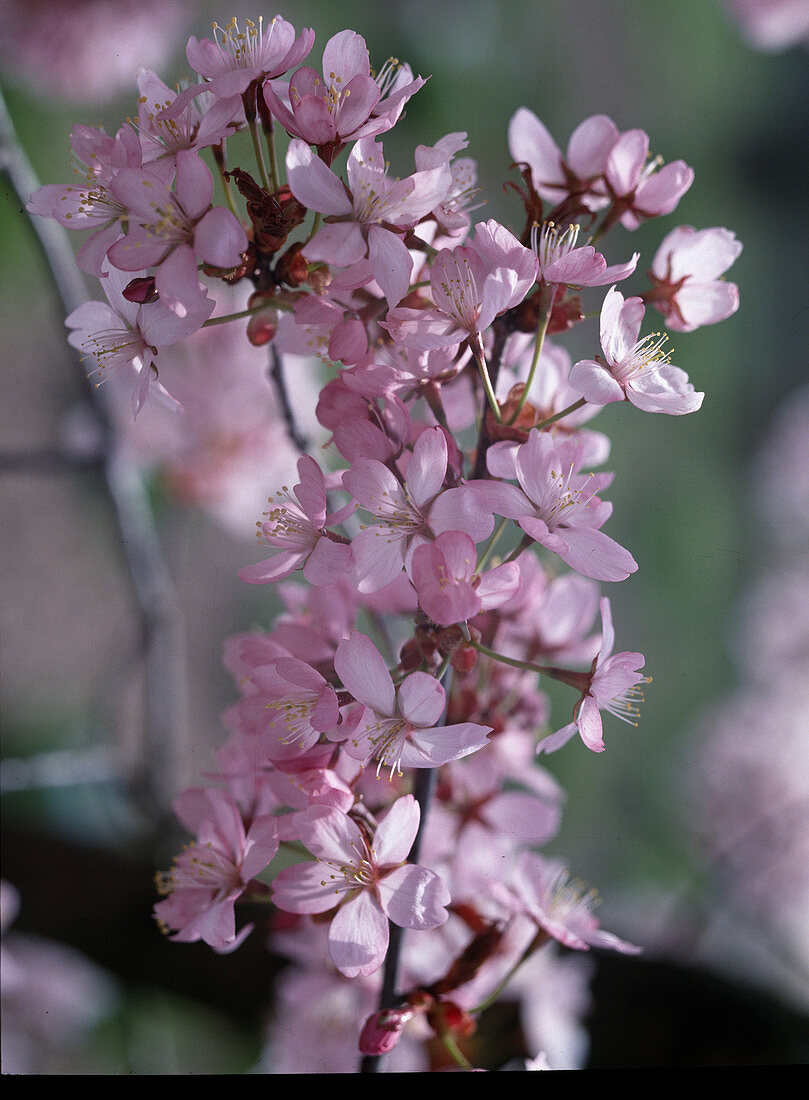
[487, 553]
[526, 666]
[539, 939]
[315, 226]
[476, 344]
[558, 416]
[223, 320]
[546, 308]
[456, 1052]
[262, 168]
[269, 136]
[219, 157]
[523, 544]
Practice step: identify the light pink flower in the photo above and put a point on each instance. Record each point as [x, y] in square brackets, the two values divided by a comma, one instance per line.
[409, 512]
[344, 104]
[771, 25]
[639, 187]
[295, 707]
[450, 590]
[123, 334]
[299, 530]
[633, 370]
[613, 684]
[398, 726]
[366, 878]
[237, 58]
[563, 261]
[687, 287]
[471, 285]
[215, 871]
[164, 132]
[92, 204]
[542, 888]
[371, 218]
[173, 229]
[578, 173]
[559, 507]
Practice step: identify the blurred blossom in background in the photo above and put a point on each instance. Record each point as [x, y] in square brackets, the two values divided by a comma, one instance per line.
[695, 825]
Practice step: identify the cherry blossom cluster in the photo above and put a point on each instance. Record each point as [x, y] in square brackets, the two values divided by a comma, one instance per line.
[442, 554]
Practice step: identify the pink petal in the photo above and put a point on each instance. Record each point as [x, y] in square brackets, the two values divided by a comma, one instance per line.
[421, 699]
[358, 936]
[312, 183]
[397, 831]
[364, 674]
[414, 897]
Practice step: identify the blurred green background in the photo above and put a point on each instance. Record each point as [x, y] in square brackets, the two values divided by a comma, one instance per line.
[680, 70]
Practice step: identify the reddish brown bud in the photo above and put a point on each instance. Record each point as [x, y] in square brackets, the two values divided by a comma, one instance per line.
[449, 1017]
[464, 659]
[292, 268]
[141, 290]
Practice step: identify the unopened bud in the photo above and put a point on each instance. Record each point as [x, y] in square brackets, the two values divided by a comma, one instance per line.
[383, 1030]
[141, 290]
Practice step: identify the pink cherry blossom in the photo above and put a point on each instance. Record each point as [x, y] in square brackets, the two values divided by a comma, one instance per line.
[399, 726]
[174, 228]
[198, 123]
[687, 287]
[294, 706]
[639, 187]
[92, 205]
[470, 285]
[565, 262]
[121, 334]
[299, 530]
[215, 871]
[559, 507]
[238, 57]
[368, 880]
[369, 220]
[613, 684]
[633, 370]
[542, 889]
[450, 590]
[410, 511]
[578, 173]
[344, 104]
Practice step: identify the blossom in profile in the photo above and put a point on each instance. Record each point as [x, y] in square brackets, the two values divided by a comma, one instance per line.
[614, 684]
[542, 888]
[633, 369]
[297, 529]
[119, 334]
[563, 261]
[577, 173]
[211, 874]
[639, 187]
[686, 273]
[366, 879]
[238, 57]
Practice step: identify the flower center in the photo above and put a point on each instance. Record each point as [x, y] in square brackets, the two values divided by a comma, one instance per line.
[553, 242]
[648, 353]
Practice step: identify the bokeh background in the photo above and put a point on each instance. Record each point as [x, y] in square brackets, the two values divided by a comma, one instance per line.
[709, 505]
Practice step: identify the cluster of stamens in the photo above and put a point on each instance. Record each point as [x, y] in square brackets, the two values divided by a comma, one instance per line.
[242, 46]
